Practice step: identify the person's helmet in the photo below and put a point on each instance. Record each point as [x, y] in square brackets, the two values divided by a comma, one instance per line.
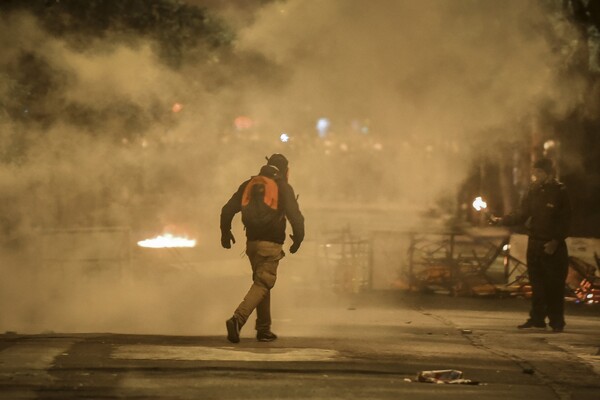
[270, 171]
[279, 161]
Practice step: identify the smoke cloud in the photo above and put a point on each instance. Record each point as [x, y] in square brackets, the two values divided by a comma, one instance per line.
[413, 92]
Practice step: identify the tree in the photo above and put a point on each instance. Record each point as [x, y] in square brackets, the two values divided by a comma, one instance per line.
[32, 91]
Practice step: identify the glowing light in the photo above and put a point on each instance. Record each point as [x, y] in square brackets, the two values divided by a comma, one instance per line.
[177, 107]
[323, 125]
[533, 178]
[284, 137]
[242, 122]
[167, 241]
[549, 144]
[479, 204]
[590, 296]
[506, 247]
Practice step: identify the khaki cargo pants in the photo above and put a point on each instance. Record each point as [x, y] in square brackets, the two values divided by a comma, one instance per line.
[264, 259]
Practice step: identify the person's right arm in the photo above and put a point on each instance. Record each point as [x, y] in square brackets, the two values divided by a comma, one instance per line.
[232, 207]
[517, 217]
[521, 214]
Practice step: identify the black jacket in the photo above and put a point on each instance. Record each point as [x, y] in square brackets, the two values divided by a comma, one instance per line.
[545, 210]
[275, 232]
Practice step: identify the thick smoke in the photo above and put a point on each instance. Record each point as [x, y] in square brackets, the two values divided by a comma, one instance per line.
[412, 90]
[433, 77]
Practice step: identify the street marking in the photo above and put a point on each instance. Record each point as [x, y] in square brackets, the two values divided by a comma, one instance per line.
[23, 367]
[200, 353]
[31, 355]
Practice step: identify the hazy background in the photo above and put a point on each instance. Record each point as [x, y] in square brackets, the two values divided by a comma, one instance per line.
[130, 130]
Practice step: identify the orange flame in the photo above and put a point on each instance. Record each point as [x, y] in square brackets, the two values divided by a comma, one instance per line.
[167, 241]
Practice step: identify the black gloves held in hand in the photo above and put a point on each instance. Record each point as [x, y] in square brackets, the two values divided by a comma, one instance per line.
[226, 239]
[295, 245]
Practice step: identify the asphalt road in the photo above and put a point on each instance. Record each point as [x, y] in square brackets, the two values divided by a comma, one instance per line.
[371, 347]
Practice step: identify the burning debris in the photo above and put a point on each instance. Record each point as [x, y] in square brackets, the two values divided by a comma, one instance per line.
[583, 285]
[167, 240]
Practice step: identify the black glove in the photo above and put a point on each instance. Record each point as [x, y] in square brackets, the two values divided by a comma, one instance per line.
[295, 245]
[226, 239]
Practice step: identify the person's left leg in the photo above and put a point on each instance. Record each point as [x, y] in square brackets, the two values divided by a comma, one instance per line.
[263, 320]
[264, 257]
[535, 272]
[556, 267]
[263, 314]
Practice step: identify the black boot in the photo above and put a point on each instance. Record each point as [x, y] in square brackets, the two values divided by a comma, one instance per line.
[265, 336]
[529, 324]
[233, 329]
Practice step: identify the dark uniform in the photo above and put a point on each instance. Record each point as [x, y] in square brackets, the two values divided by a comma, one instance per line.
[545, 210]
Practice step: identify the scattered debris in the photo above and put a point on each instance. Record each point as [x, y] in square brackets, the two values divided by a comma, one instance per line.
[439, 376]
[449, 376]
[529, 371]
[466, 331]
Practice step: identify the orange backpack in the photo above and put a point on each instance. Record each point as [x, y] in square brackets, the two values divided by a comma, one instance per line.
[260, 202]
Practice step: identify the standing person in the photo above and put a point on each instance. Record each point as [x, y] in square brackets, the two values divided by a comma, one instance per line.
[545, 210]
[265, 201]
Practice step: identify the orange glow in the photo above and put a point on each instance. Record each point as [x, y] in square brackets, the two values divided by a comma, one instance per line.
[177, 107]
[243, 122]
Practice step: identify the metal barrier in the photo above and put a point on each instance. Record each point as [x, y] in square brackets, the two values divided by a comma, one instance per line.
[344, 261]
[458, 263]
